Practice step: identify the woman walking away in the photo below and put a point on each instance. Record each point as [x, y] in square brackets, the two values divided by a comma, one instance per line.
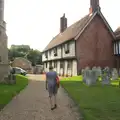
[52, 85]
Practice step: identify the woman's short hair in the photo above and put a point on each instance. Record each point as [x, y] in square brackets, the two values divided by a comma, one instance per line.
[51, 68]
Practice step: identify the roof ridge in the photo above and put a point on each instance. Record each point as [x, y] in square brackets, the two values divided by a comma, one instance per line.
[69, 33]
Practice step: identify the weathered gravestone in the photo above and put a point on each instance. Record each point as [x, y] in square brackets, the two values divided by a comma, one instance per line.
[94, 75]
[84, 73]
[90, 77]
[114, 74]
[106, 74]
[99, 71]
[88, 80]
[10, 78]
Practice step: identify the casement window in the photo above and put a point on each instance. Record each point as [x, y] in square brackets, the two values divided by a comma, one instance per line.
[61, 64]
[116, 48]
[55, 51]
[69, 65]
[46, 65]
[119, 47]
[0, 59]
[55, 64]
[46, 54]
[50, 53]
[67, 48]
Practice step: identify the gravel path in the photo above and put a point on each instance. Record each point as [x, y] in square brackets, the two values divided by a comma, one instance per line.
[32, 104]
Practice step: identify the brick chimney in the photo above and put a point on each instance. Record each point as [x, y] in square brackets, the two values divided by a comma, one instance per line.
[94, 6]
[63, 23]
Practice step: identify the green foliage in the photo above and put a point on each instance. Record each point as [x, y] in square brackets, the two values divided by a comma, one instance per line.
[34, 56]
[95, 102]
[7, 92]
[26, 52]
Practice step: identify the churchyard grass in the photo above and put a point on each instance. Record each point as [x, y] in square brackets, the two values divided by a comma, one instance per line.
[95, 102]
[7, 92]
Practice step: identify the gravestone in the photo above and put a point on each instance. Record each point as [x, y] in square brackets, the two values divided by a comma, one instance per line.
[88, 80]
[90, 77]
[114, 74]
[9, 78]
[87, 68]
[85, 73]
[106, 74]
[82, 72]
[94, 75]
[99, 71]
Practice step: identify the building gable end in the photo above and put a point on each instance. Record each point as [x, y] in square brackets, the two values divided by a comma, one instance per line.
[107, 25]
[104, 20]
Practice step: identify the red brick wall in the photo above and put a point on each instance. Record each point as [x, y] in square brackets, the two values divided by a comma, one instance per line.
[94, 47]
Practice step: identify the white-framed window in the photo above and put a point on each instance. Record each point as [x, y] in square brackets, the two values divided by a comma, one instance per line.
[46, 54]
[119, 47]
[67, 48]
[50, 53]
[114, 49]
[55, 64]
[55, 51]
[46, 65]
[69, 65]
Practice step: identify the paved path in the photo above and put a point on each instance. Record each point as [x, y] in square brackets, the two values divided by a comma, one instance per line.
[32, 104]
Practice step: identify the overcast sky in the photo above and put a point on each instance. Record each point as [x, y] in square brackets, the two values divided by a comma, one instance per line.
[36, 22]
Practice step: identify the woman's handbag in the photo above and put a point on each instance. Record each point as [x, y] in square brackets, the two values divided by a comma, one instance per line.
[58, 81]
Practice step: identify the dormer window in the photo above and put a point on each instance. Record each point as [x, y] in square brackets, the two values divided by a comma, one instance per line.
[55, 51]
[50, 52]
[66, 48]
[46, 55]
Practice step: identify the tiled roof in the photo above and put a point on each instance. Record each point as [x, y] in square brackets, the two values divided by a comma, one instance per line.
[71, 32]
[117, 30]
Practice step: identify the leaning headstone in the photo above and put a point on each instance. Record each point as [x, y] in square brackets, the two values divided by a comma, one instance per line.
[85, 74]
[87, 68]
[13, 79]
[88, 77]
[114, 74]
[106, 76]
[94, 75]
[99, 71]
[82, 73]
[10, 79]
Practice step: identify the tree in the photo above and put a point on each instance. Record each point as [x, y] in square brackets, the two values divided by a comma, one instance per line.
[34, 56]
[17, 51]
[26, 52]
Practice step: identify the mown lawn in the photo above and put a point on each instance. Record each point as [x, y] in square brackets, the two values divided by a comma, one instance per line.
[7, 92]
[96, 102]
